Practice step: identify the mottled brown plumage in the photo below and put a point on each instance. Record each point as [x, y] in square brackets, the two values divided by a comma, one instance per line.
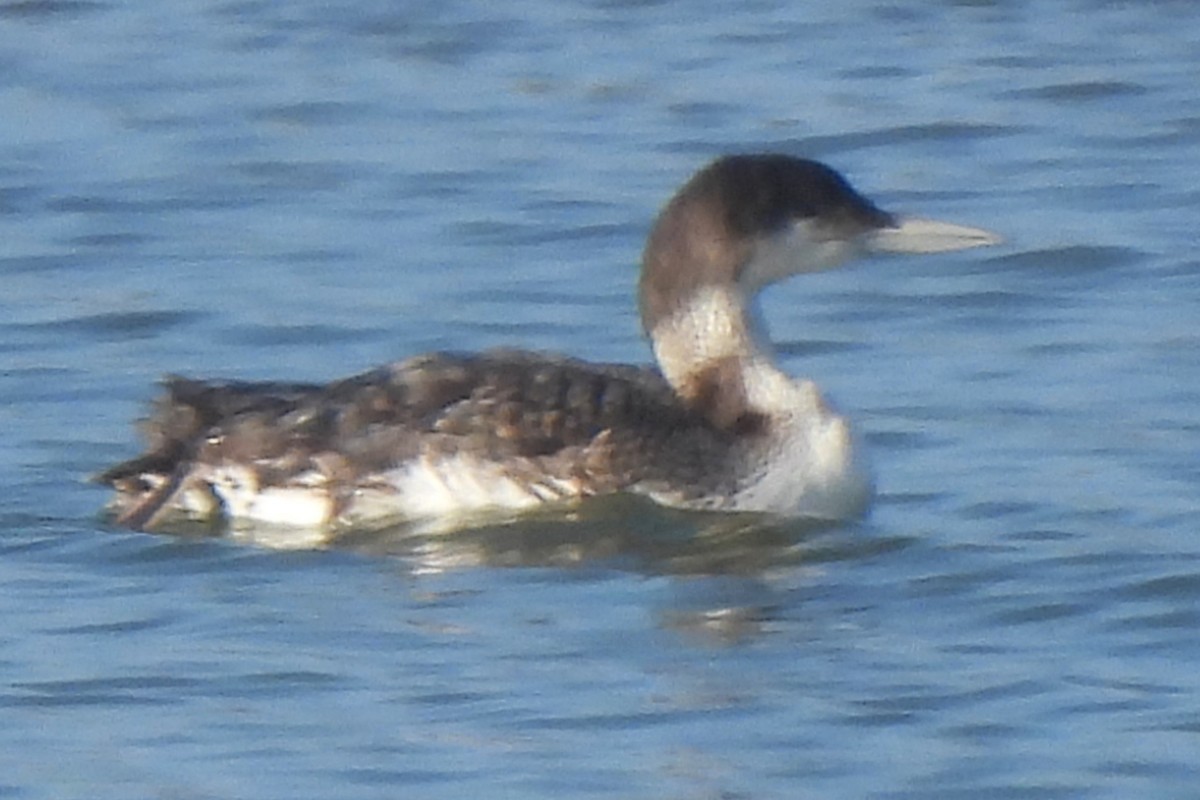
[542, 414]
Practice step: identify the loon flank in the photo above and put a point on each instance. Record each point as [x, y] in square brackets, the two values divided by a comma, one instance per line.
[716, 426]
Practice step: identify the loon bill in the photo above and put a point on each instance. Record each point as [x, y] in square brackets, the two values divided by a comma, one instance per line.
[717, 425]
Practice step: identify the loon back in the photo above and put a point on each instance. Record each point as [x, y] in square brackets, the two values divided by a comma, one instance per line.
[559, 427]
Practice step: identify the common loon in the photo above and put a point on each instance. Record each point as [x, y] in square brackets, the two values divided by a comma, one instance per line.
[717, 426]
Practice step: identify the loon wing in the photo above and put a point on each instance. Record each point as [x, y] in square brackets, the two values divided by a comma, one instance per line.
[538, 412]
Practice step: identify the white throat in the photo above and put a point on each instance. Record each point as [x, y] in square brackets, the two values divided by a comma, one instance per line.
[711, 326]
[713, 334]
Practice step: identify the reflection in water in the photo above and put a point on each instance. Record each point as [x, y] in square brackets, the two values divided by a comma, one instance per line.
[623, 532]
[725, 564]
[617, 531]
[620, 531]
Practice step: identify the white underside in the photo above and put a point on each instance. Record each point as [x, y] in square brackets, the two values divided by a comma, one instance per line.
[427, 488]
[434, 487]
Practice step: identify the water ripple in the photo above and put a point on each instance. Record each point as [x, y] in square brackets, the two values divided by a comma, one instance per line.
[39, 10]
[307, 189]
[120, 325]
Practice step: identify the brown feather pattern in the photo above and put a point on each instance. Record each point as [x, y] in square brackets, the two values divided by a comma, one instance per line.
[537, 415]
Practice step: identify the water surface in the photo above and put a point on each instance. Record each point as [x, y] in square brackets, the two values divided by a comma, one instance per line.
[301, 191]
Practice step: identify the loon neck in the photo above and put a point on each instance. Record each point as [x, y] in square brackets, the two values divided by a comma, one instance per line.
[713, 354]
[740, 224]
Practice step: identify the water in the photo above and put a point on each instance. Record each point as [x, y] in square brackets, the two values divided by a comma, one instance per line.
[303, 190]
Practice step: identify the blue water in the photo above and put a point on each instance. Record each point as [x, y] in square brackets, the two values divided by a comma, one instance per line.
[302, 190]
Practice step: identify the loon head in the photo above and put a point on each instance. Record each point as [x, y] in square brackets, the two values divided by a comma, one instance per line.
[746, 221]
[739, 224]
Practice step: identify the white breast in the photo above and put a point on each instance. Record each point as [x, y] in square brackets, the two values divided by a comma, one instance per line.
[813, 465]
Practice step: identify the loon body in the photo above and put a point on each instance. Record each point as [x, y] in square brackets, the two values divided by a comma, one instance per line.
[716, 426]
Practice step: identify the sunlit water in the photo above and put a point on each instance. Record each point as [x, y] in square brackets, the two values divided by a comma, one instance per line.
[302, 190]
